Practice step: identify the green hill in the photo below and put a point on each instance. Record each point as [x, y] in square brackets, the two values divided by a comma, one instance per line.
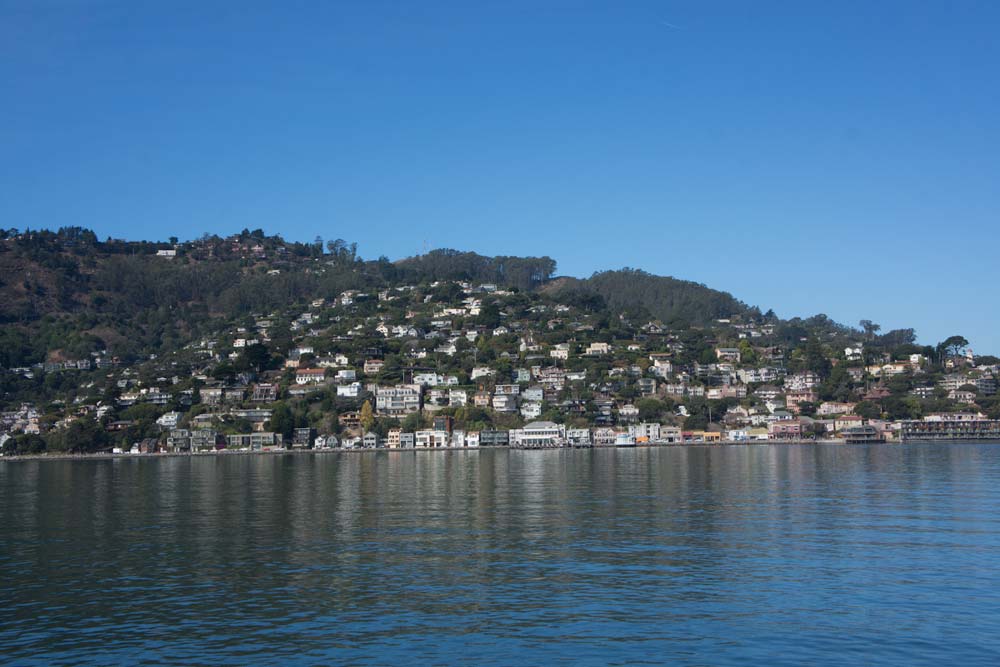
[643, 294]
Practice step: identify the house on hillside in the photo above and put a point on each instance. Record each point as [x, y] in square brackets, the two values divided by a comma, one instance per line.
[598, 349]
[304, 376]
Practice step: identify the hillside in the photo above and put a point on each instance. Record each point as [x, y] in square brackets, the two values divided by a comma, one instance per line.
[524, 273]
[66, 292]
[644, 295]
[162, 345]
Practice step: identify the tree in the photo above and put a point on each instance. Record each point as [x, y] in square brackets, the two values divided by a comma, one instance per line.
[282, 420]
[815, 359]
[952, 346]
[696, 422]
[367, 417]
[412, 422]
[651, 409]
[224, 371]
[897, 407]
[257, 357]
[991, 407]
[83, 436]
[837, 387]
[707, 355]
[897, 338]
[489, 315]
[24, 444]
[868, 410]
[870, 328]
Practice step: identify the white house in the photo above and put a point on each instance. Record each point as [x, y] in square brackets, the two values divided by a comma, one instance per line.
[628, 411]
[538, 434]
[427, 379]
[352, 390]
[325, 442]
[531, 410]
[804, 380]
[598, 349]
[535, 393]
[309, 376]
[430, 439]
[650, 430]
[402, 399]
[169, 420]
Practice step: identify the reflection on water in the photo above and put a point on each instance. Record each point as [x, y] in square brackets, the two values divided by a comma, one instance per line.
[721, 555]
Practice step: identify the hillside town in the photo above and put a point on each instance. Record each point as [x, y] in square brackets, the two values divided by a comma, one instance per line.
[461, 364]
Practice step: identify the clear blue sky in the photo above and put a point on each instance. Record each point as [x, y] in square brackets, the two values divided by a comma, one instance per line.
[838, 157]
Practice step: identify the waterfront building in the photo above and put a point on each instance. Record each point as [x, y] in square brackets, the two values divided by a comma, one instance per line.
[538, 434]
[646, 431]
[444, 423]
[303, 438]
[492, 438]
[950, 429]
[253, 441]
[431, 439]
[670, 434]
[788, 429]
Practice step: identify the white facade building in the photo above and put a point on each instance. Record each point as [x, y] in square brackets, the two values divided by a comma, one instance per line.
[538, 434]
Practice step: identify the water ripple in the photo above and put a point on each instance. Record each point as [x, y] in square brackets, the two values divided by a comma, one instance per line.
[726, 555]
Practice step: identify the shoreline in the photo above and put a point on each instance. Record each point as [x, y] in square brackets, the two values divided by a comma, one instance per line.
[297, 452]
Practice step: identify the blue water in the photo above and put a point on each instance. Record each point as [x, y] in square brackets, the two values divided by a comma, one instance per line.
[820, 555]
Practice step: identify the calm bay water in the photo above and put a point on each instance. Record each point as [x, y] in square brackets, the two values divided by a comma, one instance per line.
[716, 555]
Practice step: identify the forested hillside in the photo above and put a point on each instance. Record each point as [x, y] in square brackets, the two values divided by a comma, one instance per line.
[66, 293]
[524, 273]
[642, 294]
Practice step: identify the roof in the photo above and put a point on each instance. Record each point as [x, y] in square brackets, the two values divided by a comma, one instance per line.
[540, 425]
